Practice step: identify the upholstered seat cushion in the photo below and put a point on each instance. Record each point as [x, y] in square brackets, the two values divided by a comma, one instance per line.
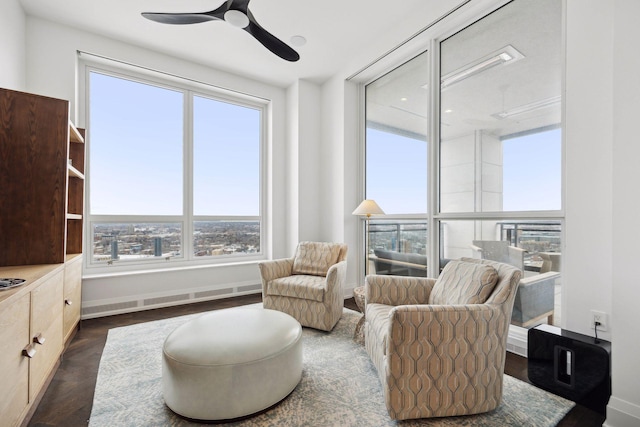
[315, 258]
[478, 280]
[298, 286]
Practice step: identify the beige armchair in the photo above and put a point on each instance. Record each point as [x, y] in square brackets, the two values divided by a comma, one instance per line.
[308, 286]
[439, 346]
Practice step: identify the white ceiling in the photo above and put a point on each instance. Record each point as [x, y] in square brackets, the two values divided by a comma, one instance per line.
[336, 31]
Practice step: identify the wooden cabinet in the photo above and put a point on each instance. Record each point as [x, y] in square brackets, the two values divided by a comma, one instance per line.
[31, 338]
[42, 176]
[14, 337]
[72, 294]
[46, 330]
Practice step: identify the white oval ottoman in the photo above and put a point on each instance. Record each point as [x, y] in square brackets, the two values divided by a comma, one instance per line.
[231, 363]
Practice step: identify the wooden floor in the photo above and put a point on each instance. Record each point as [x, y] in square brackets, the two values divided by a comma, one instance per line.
[67, 402]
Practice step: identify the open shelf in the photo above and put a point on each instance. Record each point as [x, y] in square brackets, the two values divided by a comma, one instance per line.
[75, 135]
[73, 172]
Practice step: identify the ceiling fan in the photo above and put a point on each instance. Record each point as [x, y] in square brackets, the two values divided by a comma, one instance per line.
[236, 13]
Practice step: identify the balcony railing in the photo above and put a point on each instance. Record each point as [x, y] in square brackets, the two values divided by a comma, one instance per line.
[400, 247]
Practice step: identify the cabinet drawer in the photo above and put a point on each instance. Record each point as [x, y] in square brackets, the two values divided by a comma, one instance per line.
[72, 295]
[46, 322]
[14, 337]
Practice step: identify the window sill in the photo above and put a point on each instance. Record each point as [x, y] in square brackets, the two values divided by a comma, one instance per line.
[106, 272]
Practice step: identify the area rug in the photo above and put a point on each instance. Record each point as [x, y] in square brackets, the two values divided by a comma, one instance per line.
[339, 386]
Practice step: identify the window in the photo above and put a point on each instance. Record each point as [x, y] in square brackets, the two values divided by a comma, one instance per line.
[174, 172]
[495, 172]
[396, 164]
[501, 148]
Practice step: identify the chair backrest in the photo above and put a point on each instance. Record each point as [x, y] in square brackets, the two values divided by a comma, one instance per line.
[504, 293]
[315, 258]
[495, 250]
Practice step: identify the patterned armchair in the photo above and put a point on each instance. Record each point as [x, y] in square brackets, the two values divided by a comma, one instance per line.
[308, 286]
[439, 346]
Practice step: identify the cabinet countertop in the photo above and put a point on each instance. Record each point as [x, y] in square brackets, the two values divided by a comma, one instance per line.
[32, 274]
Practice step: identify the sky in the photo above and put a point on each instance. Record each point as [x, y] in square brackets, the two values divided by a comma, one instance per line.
[137, 156]
[137, 152]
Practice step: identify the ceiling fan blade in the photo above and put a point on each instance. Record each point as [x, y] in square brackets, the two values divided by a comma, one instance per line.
[237, 13]
[180, 18]
[270, 41]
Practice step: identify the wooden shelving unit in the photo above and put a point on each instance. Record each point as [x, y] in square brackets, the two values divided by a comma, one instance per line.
[42, 160]
[75, 190]
[34, 150]
[42, 178]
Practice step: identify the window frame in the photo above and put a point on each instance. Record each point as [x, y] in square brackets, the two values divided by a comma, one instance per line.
[189, 88]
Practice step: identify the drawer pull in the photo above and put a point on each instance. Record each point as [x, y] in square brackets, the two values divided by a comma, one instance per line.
[39, 339]
[68, 302]
[29, 351]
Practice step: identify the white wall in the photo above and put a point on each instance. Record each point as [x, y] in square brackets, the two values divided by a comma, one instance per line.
[12, 45]
[51, 70]
[304, 205]
[341, 171]
[588, 169]
[624, 406]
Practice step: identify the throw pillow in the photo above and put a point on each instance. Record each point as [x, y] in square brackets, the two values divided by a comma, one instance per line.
[315, 258]
[464, 283]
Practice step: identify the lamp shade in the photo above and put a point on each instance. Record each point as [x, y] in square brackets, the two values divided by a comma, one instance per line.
[367, 208]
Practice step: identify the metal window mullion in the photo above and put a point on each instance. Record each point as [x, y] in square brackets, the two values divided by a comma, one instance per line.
[433, 167]
[188, 173]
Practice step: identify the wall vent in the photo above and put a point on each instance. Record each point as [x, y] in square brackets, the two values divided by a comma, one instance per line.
[164, 300]
[250, 288]
[216, 292]
[109, 307]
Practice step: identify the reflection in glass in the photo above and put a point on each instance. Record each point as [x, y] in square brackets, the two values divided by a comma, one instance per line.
[398, 247]
[500, 147]
[533, 246]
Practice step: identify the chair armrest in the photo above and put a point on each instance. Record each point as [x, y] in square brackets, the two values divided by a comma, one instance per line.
[475, 248]
[275, 269]
[549, 276]
[515, 251]
[397, 290]
[336, 277]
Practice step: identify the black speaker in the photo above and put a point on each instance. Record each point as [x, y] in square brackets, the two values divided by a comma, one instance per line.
[571, 365]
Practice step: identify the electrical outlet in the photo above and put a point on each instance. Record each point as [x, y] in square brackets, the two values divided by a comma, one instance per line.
[600, 317]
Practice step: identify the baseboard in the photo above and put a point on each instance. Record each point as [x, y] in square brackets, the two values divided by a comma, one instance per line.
[110, 307]
[348, 291]
[517, 341]
[621, 413]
